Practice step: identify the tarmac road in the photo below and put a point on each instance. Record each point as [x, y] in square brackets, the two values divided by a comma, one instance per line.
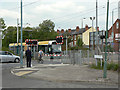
[11, 81]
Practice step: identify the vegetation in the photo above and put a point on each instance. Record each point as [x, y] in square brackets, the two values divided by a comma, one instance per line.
[45, 31]
[110, 66]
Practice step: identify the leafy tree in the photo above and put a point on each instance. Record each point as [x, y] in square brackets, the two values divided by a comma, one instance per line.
[10, 36]
[79, 42]
[47, 26]
[2, 23]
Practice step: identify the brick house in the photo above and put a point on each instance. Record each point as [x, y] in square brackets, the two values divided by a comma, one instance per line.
[116, 29]
[73, 33]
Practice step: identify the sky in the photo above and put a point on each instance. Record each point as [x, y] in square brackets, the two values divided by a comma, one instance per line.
[65, 14]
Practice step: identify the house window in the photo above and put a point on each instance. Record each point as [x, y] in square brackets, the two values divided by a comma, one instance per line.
[75, 42]
[117, 25]
[75, 37]
[71, 44]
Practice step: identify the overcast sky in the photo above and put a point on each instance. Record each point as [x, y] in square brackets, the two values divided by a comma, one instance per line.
[64, 13]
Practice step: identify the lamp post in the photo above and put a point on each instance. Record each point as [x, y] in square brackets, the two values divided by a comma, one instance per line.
[21, 57]
[82, 22]
[92, 18]
[105, 62]
[1, 38]
[17, 35]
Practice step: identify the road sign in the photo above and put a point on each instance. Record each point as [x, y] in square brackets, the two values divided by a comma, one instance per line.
[98, 56]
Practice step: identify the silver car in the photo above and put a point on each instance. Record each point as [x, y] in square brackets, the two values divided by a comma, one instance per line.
[6, 56]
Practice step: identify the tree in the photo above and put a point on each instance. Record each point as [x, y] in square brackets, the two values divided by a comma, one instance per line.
[79, 42]
[47, 26]
[2, 23]
[10, 36]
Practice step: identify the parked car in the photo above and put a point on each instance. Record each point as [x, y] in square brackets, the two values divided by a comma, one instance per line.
[6, 56]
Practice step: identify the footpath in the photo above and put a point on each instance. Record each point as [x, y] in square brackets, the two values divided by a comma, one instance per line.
[66, 73]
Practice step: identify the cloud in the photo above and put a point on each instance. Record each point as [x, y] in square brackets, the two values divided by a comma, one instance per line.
[9, 14]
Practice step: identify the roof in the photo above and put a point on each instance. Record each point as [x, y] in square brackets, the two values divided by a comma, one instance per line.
[74, 32]
[80, 31]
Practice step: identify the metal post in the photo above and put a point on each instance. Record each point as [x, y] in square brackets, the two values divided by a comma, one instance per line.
[112, 25]
[88, 56]
[80, 58]
[82, 22]
[21, 58]
[92, 35]
[97, 41]
[0, 39]
[17, 35]
[92, 18]
[105, 62]
[66, 46]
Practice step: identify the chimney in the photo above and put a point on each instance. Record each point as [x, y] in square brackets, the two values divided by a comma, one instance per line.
[77, 29]
[69, 30]
[62, 31]
[86, 27]
[58, 31]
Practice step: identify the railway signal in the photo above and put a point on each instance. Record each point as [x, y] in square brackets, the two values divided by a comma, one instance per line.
[59, 40]
[31, 42]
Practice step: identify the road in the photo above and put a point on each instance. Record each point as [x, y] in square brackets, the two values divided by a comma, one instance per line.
[11, 81]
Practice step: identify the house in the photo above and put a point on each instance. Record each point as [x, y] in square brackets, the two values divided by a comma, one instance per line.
[74, 34]
[86, 36]
[115, 29]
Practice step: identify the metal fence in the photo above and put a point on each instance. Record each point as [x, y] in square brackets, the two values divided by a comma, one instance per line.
[81, 57]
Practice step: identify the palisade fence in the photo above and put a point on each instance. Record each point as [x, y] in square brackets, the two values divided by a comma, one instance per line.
[81, 57]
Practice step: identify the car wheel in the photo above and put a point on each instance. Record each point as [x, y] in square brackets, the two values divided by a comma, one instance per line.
[17, 60]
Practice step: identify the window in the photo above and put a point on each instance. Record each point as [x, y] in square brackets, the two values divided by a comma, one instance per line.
[75, 37]
[75, 42]
[117, 25]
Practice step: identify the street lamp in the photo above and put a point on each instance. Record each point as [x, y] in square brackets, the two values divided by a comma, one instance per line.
[82, 22]
[21, 57]
[1, 38]
[92, 18]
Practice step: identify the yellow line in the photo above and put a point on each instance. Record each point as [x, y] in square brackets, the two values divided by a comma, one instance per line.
[22, 73]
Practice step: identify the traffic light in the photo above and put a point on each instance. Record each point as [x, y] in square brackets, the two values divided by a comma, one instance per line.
[59, 40]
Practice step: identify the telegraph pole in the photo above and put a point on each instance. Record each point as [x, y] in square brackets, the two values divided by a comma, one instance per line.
[21, 58]
[105, 62]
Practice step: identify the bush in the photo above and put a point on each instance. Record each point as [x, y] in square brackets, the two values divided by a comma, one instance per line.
[110, 66]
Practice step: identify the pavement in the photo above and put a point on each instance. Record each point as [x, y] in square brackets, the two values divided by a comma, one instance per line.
[66, 73]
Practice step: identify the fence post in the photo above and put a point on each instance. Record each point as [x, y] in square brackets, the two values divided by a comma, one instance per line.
[73, 57]
[80, 57]
[88, 56]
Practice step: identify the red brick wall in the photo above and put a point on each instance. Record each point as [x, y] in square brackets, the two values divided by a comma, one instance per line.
[116, 44]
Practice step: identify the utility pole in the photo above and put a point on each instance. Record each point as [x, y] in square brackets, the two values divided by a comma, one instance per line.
[17, 34]
[105, 62]
[21, 58]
